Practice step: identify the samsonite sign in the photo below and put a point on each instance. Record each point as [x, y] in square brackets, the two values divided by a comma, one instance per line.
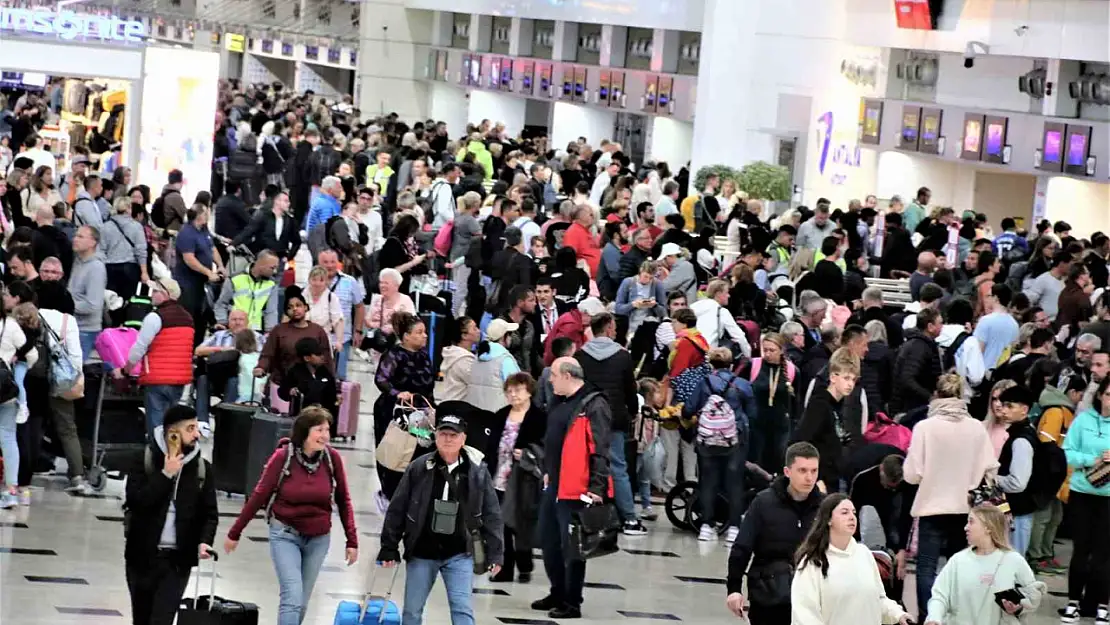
[72, 26]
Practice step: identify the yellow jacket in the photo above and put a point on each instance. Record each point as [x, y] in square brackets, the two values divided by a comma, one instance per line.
[1053, 425]
[686, 209]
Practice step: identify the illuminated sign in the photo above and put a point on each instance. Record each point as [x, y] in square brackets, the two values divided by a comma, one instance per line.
[71, 26]
[234, 42]
[835, 155]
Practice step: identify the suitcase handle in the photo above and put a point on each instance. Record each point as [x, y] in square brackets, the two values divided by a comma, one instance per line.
[365, 603]
[215, 557]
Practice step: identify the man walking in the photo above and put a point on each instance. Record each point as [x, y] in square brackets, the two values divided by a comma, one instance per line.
[88, 280]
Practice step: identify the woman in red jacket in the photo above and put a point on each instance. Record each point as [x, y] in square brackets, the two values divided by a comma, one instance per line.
[301, 480]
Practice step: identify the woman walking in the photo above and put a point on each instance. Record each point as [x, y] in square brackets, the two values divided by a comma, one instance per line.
[965, 592]
[772, 377]
[836, 580]
[302, 480]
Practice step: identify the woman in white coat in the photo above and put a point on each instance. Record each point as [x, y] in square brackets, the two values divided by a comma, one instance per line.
[836, 580]
[12, 339]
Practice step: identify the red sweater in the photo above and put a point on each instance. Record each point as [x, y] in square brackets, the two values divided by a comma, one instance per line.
[569, 324]
[304, 501]
[584, 245]
[687, 353]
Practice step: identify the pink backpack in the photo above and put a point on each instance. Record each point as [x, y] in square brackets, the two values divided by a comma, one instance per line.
[757, 364]
[885, 431]
[114, 344]
[443, 240]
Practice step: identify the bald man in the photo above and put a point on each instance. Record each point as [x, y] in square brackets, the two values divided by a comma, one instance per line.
[557, 504]
[926, 266]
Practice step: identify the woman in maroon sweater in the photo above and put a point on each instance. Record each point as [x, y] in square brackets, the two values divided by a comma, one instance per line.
[301, 480]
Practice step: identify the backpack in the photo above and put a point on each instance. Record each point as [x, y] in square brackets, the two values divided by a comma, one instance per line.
[642, 349]
[285, 473]
[138, 307]
[158, 211]
[949, 360]
[757, 365]
[1050, 469]
[148, 468]
[444, 239]
[883, 430]
[329, 238]
[717, 423]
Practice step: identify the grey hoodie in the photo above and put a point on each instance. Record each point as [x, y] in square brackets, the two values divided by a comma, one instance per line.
[87, 282]
[601, 348]
[683, 278]
[168, 539]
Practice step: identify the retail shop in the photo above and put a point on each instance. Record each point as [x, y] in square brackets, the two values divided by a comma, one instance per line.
[150, 108]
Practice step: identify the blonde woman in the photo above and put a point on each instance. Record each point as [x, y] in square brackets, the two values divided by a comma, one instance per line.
[965, 592]
[995, 422]
[800, 263]
[324, 308]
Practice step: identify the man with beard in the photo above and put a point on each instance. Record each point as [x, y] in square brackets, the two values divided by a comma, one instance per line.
[522, 305]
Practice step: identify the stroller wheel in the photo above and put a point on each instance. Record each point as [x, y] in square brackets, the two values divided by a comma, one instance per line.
[680, 504]
[97, 478]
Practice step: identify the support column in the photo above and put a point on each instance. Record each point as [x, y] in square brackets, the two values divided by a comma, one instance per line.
[481, 32]
[443, 25]
[664, 49]
[724, 74]
[565, 47]
[387, 59]
[521, 37]
[614, 45]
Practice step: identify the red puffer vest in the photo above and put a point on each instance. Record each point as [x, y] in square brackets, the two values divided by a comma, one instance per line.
[578, 449]
[169, 360]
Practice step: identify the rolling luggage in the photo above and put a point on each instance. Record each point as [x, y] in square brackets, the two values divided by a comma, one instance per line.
[436, 324]
[232, 436]
[373, 609]
[113, 346]
[346, 422]
[213, 610]
[266, 430]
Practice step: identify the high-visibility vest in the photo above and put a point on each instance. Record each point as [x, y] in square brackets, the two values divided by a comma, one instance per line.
[251, 296]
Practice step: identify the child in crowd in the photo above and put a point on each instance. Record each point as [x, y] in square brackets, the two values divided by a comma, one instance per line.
[310, 380]
[653, 398]
[250, 388]
[27, 316]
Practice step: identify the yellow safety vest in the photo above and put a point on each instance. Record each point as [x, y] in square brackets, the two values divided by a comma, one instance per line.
[251, 296]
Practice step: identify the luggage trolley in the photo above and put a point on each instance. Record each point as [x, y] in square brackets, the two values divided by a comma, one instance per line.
[126, 434]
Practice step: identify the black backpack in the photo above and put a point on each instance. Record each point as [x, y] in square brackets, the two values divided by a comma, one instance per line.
[158, 210]
[953, 349]
[1050, 469]
[642, 349]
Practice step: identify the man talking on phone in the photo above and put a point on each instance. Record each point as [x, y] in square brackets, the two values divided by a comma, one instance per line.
[170, 517]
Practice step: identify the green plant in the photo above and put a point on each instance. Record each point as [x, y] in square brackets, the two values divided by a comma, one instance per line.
[724, 172]
[764, 181]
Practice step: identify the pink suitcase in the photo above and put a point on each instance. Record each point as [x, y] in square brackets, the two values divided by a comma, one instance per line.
[113, 346]
[346, 423]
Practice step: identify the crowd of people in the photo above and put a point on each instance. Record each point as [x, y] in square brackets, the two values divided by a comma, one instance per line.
[586, 333]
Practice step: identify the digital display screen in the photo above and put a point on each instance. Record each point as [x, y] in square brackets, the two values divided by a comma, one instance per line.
[1077, 150]
[871, 120]
[495, 72]
[996, 138]
[973, 134]
[911, 123]
[507, 74]
[930, 128]
[1053, 139]
[267, 46]
[312, 52]
[333, 55]
[568, 87]
[603, 93]
[287, 49]
[354, 57]
[475, 70]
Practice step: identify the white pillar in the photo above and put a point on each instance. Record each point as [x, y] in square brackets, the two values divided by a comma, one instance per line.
[387, 59]
[565, 47]
[724, 74]
[443, 26]
[521, 36]
[665, 45]
[614, 45]
[481, 32]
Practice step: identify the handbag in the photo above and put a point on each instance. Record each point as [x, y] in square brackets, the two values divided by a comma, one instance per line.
[396, 448]
[426, 284]
[376, 339]
[593, 532]
[988, 492]
[1099, 475]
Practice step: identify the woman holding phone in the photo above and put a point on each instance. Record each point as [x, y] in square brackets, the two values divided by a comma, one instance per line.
[641, 296]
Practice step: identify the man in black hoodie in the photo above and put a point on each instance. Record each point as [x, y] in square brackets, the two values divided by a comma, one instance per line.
[872, 300]
[609, 368]
[509, 268]
[775, 524]
[573, 398]
[170, 517]
[827, 422]
[917, 366]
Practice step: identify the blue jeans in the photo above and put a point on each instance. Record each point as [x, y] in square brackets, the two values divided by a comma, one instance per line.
[1020, 532]
[157, 399]
[458, 578]
[231, 395]
[721, 474]
[297, 561]
[622, 486]
[88, 344]
[567, 578]
[342, 359]
[937, 535]
[644, 487]
[19, 371]
[9, 444]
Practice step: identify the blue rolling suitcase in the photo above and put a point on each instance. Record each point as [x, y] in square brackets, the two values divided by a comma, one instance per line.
[373, 609]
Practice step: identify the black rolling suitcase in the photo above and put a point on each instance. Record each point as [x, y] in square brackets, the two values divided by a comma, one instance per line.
[232, 436]
[266, 430]
[213, 610]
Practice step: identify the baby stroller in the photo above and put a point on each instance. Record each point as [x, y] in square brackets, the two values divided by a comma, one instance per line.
[683, 510]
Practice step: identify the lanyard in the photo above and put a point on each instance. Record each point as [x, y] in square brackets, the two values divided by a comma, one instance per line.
[774, 375]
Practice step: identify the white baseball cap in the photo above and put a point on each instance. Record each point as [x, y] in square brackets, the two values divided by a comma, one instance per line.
[670, 249]
[591, 306]
[498, 328]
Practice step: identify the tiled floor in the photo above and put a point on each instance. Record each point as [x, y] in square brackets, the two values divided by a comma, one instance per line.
[61, 562]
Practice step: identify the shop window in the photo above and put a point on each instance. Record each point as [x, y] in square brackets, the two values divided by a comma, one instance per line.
[323, 16]
[269, 9]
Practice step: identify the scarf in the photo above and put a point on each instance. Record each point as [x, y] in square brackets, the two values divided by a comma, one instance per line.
[309, 464]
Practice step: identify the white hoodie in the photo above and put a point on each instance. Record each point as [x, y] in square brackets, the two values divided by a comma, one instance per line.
[969, 358]
[851, 594]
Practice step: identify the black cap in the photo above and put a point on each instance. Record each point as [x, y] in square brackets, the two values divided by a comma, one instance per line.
[451, 422]
[177, 414]
[1017, 395]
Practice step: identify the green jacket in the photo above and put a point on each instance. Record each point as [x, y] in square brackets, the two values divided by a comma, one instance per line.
[481, 156]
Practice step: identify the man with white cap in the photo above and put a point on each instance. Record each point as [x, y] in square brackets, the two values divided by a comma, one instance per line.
[165, 347]
[574, 325]
[680, 272]
[494, 365]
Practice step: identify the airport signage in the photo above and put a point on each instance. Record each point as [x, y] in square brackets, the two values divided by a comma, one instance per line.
[71, 26]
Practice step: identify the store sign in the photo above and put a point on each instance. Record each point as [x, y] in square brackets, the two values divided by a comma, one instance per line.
[234, 42]
[836, 155]
[72, 26]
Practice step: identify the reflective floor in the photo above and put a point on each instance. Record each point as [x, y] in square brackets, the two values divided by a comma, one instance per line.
[61, 561]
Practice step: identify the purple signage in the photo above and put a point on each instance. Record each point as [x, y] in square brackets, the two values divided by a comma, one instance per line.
[1052, 142]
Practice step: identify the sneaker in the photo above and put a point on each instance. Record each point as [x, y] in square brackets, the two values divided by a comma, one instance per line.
[25, 497]
[1102, 616]
[205, 429]
[1070, 613]
[565, 612]
[8, 501]
[547, 603]
[524, 578]
[77, 484]
[381, 501]
[1056, 566]
[23, 414]
[648, 514]
[731, 534]
[634, 528]
[707, 534]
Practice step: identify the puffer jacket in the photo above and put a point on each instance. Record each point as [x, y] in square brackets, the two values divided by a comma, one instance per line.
[875, 374]
[916, 368]
[456, 366]
[608, 367]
